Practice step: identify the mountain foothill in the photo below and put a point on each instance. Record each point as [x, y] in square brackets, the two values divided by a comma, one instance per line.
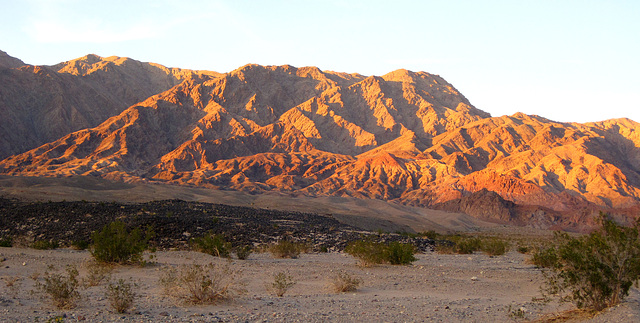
[404, 137]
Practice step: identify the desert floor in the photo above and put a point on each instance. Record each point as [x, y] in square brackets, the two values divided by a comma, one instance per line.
[435, 288]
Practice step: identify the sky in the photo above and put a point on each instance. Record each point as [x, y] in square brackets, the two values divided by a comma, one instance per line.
[568, 61]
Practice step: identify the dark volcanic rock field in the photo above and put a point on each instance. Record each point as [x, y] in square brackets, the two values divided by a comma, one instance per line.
[175, 222]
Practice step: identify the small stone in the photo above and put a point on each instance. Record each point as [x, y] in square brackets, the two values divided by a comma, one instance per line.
[24, 263]
[164, 314]
[474, 278]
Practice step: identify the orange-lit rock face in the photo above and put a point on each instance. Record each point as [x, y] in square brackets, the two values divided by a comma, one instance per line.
[40, 104]
[406, 137]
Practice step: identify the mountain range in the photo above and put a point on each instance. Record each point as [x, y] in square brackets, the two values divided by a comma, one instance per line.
[404, 137]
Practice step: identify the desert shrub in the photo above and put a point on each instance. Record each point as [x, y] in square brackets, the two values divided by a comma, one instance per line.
[116, 244]
[61, 289]
[594, 271]
[96, 274]
[445, 247]
[45, 244]
[201, 284]
[13, 284]
[430, 234]
[524, 249]
[282, 281]
[495, 247]
[287, 249]
[343, 282]
[243, 252]
[468, 245]
[6, 242]
[545, 257]
[121, 295]
[213, 244]
[80, 244]
[370, 253]
[397, 253]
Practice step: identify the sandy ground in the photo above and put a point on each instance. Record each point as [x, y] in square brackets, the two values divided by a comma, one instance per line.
[435, 288]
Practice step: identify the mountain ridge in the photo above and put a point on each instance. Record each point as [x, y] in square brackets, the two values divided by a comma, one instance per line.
[405, 137]
[40, 104]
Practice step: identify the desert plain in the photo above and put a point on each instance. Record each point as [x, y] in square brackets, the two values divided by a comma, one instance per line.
[435, 288]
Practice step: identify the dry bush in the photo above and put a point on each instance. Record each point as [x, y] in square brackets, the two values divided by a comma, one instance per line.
[287, 249]
[96, 273]
[202, 284]
[282, 281]
[343, 282]
[13, 284]
[61, 289]
[121, 295]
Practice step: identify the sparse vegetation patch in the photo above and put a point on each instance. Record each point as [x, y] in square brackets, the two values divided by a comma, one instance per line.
[282, 281]
[121, 295]
[60, 289]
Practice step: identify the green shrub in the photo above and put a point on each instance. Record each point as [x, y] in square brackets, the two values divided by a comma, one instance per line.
[80, 244]
[287, 249]
[213, 244]
[371, 253]
[243, 252]
[546, 258]
[397, 253]
[594, 271]
[495, 247]
[6, 242]
[368, 252]
[468, 245]
[61, 289]
[115, 244]
[45, 245]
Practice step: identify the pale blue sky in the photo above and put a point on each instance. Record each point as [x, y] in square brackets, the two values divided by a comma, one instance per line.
[564, 60]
